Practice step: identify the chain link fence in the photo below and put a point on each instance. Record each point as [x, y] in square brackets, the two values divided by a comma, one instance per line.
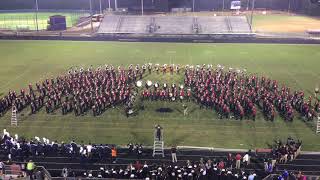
[17, 20]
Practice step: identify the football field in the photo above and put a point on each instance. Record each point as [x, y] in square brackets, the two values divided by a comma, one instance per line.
[24, 62]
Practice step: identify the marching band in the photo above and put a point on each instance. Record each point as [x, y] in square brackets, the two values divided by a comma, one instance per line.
[231, 93]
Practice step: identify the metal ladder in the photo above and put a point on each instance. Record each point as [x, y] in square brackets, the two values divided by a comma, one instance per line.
[14, 120]
[158, 146]
[318, 124]
[119, 24]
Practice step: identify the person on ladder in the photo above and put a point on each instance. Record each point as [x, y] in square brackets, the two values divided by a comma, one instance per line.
[158, 133]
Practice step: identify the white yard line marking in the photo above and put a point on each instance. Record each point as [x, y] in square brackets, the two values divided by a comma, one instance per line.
[14, 79]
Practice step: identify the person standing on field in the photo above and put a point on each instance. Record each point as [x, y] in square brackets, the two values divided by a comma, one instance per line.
[174, 154]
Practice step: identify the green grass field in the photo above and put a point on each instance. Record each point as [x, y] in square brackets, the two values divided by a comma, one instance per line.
[28, 19]
[24, 62]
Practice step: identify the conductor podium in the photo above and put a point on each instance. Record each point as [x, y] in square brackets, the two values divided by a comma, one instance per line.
[158, 142]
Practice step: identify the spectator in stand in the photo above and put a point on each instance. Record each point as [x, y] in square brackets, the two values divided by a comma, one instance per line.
[270, 168]
[238, 161]
[113, 154]
[137, 165]
[285, 174]
[65, 172]
[284, 154]
[138, 148]
[130, 148]
[229, 161]
[208, 164]
[246, 159]
[174, 154]
[300, 176]
[252, 176]
[1, 168]
[265, 163]
[89, 150]
[30, 169]
[274, 160]
[221, 165]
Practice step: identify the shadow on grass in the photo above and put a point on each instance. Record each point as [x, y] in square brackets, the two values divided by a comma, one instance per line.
[164, 110]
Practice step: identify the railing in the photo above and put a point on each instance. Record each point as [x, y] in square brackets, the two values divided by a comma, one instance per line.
[47, 175]
[270, 176]
[227, 20]
[15, 171]
[120, 21]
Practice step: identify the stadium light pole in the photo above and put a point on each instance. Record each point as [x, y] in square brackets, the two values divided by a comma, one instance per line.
[37, 9]
[252, 8]
[142, 7]
[90, 2]
[115, 5]
[192, 5]
[100, 6]
[222, 5]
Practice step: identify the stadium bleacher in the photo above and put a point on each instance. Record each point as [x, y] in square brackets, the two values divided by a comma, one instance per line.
[239, 24]
[308, 163]
[109, 24]
[211, 25]
[112, 24]
[174, 25]
[134, 24]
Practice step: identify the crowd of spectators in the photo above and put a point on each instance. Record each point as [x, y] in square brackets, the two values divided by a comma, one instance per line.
[287, 175]
[20, 149]
[231, 167]
[200, 171]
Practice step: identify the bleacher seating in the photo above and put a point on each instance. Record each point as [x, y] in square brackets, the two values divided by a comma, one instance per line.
[174, 24]
[211, 25]
[308, 163]
[239, 24]
[109, 24]
[134, 24]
